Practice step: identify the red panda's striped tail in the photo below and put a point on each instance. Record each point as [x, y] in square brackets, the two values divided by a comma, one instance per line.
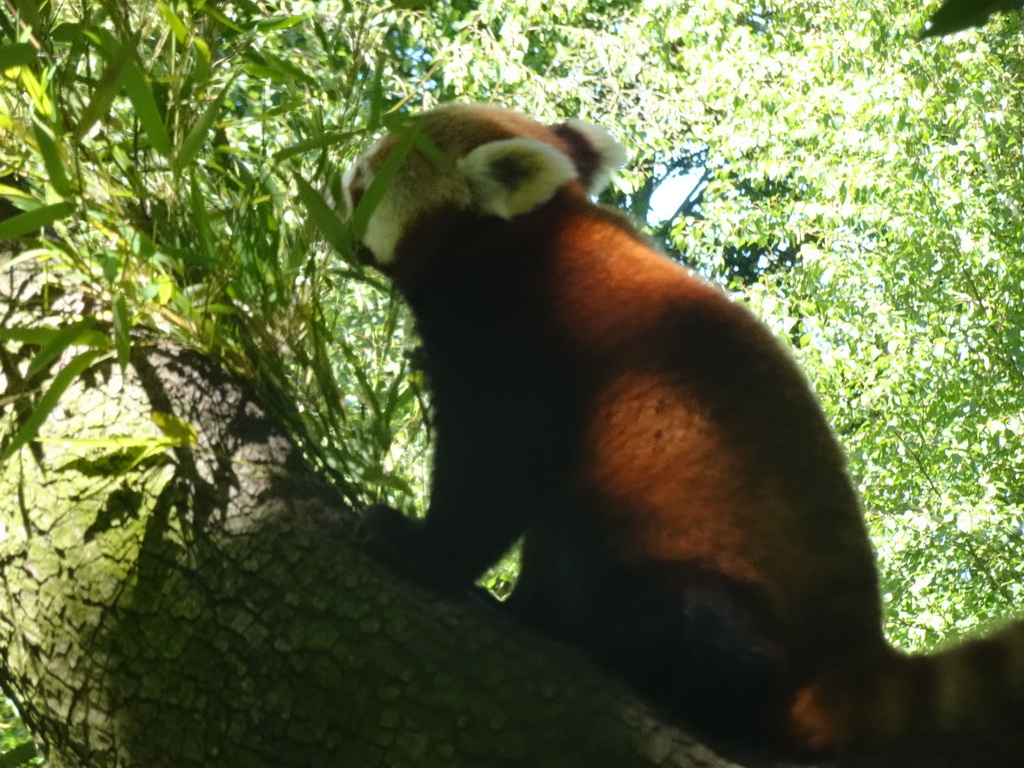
[972, 690]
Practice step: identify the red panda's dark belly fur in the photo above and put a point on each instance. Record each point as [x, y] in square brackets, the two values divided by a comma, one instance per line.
[680, 466]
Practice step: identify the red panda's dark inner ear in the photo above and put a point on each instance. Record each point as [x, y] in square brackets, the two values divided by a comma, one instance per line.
[355, 194]
[354, 182]
[509, 172]
[593, 151]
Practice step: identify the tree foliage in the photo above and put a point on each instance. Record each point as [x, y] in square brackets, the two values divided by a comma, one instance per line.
[859, 188]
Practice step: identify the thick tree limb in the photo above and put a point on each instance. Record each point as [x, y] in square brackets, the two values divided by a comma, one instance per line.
[203, 604]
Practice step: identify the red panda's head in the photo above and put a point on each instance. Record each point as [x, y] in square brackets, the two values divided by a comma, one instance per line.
[472, 158]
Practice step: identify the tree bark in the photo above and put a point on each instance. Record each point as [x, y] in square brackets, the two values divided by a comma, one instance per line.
[200, 601]
[203, 604]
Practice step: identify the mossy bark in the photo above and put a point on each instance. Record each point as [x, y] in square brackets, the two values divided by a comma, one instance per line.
[202, 603]
[190, 595]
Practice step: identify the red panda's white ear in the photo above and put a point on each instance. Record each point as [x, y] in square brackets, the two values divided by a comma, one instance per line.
[594, 152]
[511, 177]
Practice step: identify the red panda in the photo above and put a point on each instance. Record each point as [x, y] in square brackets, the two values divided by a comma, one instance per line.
[685, 508]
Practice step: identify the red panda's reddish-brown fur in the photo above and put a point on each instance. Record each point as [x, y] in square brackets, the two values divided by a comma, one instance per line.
[687, 513]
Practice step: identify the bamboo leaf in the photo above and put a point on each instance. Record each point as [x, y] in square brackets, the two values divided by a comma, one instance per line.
[220, 18]
[31, 221]
[201, 218]
[280, 22]
[193, 142]
[16, 55]
[41, 336]
[146, 109]
[18, 756]
[106, 89]
[37, 336]
[276, 68]
[30, 428]
[173, 21]
[28, 10]
[203, 60]
[179, 431]
[324, 217]
[62, 339]
[122, 326]
[376, 93]
[52, 160]
[323, 141]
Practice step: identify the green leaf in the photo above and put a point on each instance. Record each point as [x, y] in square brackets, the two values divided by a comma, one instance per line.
[201, 217]
[375, 90]
[323, 141]
[30, 428]
[16, 55]
[40, 336]
[107, 88]
[28, 10]
[66, 32]
[219, 17]
[146, 109]
[203, 61]
[61, 339]
[31, 221]
[193, 142]
[274, 23]
[274, 68]
[36, 336]
[181, 432]
[18, 756]
[52, 159]
[122, 327]
[173, 21]
[324, 217]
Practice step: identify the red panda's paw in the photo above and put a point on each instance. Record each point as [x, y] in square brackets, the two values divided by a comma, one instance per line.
[389, 537]
[396, 541]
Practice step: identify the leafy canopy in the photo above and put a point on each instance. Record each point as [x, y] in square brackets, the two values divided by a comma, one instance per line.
[176, 163]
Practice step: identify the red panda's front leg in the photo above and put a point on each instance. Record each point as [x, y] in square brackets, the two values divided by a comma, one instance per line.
[500, 462]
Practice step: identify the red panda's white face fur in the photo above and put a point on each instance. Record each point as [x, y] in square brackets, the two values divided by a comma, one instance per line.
[489, 161]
